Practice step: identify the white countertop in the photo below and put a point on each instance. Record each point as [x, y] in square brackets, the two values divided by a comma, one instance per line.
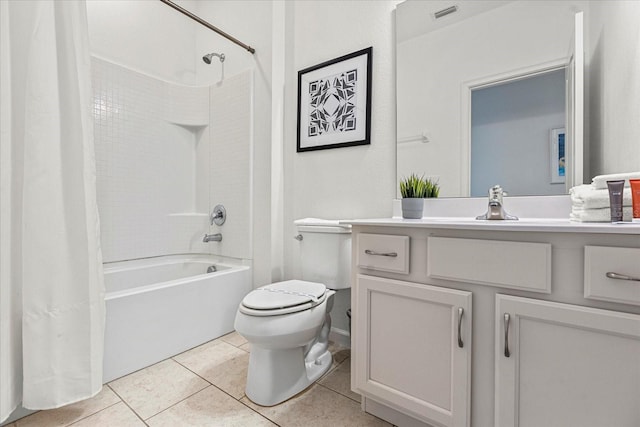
[554, 225]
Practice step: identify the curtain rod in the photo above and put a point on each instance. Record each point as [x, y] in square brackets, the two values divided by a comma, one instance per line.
[206, 24]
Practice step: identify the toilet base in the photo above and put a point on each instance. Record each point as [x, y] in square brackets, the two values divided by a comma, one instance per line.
[282, 373]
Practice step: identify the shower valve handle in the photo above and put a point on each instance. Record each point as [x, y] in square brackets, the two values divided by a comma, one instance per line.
[218, 215]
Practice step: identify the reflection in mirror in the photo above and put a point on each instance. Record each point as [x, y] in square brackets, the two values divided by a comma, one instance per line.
[514, 120]
[444, 64]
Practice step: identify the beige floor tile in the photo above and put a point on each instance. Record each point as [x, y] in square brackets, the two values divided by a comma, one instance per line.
[246, 347]
[209, 407]
[71, 413]
[317, 407]
[157, 387]
[220, 363]
[234, 339]
[339, 380]
[339, 353]
[117, 415]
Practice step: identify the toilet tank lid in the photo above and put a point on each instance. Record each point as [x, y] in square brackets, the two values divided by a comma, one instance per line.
[322, 225]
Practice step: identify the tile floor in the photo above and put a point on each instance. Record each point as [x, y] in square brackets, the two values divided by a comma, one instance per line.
[205, 387]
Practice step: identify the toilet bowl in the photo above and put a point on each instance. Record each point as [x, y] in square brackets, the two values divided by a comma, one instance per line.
[288, 323]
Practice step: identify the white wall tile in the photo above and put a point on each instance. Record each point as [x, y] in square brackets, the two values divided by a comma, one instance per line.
[230, 164]
[149, 136]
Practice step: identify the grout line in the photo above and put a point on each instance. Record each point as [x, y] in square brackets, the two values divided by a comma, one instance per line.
[90, 415]
[193, 372]
[128, 406]
[231, 396]
[257, 412]
[337, 392]
[191, 395]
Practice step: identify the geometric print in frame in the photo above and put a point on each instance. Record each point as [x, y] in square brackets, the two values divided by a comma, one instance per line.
[332, 104]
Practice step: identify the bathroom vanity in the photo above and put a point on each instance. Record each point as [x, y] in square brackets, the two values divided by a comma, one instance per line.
[458, 322]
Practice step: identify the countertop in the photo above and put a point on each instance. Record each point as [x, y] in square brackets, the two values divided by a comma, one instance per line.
[553, 225]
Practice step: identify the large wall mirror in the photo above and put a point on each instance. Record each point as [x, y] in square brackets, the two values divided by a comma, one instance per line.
[487, 95]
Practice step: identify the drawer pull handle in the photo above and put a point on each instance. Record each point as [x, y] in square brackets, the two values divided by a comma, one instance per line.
[612, 275]
[507, 318]
[390, 254]
[460, 314]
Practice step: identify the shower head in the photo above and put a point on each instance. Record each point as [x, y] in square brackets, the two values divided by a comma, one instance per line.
[208, 56]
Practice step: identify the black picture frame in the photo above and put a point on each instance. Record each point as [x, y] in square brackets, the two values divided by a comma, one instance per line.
[334, 103]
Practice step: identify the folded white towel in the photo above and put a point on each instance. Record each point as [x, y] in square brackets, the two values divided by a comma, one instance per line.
[600, 181]
[587, 197]
[597, 215]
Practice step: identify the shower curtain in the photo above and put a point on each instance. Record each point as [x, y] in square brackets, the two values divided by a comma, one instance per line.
[51, 284]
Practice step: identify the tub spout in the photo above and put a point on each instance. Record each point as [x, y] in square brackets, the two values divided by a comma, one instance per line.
[212, 238]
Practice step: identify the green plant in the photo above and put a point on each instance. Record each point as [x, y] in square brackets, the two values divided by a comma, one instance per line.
[418, 187]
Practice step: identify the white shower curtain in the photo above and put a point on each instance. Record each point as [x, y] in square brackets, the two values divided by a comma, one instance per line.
[51, 284]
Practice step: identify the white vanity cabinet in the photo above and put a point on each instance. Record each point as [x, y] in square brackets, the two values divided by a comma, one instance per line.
[565, 365]
[573, 333]
[414, 348]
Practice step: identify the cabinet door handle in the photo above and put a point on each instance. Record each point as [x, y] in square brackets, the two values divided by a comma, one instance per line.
[460, 314]
[618, 276]
[507, 317]
[390, 254]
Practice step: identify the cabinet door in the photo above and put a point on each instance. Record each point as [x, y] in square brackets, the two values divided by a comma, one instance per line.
[565, 365]
[413, 348]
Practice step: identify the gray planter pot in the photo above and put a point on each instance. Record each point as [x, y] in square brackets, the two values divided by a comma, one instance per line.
[412, 208]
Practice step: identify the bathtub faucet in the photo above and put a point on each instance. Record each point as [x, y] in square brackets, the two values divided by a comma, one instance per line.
[212, 238]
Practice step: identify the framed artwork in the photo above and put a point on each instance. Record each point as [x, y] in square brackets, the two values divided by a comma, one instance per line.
[334, 103]
[558, 147]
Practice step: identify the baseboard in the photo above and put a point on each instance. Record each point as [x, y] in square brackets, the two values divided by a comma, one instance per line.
[340, 337]
[390, 415]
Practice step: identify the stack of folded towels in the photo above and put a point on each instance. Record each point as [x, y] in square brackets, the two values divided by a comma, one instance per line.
[590, 202]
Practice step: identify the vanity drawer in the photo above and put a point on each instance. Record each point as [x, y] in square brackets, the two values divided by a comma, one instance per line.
[600, 260]
[515, 265]
[383, 252]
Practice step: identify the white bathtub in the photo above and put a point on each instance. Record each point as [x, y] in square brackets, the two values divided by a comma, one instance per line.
[159, 307]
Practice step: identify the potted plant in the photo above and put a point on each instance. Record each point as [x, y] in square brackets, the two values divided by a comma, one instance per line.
[413, 190]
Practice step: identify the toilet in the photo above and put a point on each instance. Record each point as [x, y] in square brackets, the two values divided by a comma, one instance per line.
[288, 323]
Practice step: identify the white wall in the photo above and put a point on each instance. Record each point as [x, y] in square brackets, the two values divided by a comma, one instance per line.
[146, 36]
[353, 182]
[613, 67]
[435, 66]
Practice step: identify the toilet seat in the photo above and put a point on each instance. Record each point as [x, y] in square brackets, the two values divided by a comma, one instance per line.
[280, 298]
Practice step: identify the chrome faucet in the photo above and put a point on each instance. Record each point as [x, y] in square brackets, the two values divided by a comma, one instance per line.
[212, 238]
[496, 210]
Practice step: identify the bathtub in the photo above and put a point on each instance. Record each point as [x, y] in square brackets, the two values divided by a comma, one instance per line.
[159, 307]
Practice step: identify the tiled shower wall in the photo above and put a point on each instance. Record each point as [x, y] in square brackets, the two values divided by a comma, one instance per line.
[153, 158]
[230, 163]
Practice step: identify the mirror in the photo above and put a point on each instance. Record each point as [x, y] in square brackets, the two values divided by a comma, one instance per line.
[445, 64]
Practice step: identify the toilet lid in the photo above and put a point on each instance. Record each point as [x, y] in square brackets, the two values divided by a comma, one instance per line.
[285, 294]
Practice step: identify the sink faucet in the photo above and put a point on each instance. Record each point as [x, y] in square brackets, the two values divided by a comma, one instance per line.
[212, 238]
[496, 210]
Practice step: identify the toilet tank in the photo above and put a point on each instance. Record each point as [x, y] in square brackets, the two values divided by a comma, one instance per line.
[325, 252]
